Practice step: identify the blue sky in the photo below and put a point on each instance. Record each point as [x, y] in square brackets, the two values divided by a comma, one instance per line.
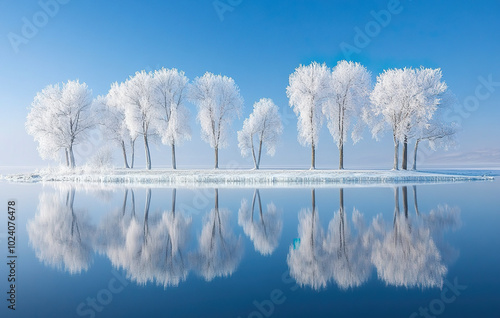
[258, 43]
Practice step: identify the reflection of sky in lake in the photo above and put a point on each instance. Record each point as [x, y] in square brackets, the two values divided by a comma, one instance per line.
[215, 258]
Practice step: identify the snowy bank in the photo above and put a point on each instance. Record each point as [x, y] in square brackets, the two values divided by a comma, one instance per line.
[242, 178]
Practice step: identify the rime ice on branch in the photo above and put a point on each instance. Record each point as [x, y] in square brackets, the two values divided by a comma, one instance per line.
[219, 101]
[262, 128]
[404, 101]
[60, 118]
[170, 93]
[110, 113]
[349, 92]
[307, 90]
[140, 110]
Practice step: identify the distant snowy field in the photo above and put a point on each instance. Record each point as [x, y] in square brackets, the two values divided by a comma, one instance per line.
[249, 178]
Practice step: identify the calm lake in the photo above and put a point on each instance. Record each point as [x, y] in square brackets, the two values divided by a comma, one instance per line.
[427, 250]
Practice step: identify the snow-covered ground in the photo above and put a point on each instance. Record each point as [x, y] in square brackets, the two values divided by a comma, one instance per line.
[243, 178]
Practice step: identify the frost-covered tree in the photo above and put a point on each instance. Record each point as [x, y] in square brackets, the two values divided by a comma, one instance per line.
[140, 110]
[437, 133]
[219, 101]
[110, 115]
[434, 95]
[404, 100]
[350, 87]
[172, 125]
[262, 128]
[60, 118]
[307, 90]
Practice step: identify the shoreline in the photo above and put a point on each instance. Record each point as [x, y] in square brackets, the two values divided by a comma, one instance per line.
[242, 178]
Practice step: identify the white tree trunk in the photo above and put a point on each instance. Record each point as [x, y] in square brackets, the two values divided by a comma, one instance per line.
[71, 157]
[174, 165]
[124, 155]
[148, 156]
[256, 165]
[260, 153]
[313, 157]
[132, 144]
[216, 149]
[415, 155]
[404, 164]
[396, 154]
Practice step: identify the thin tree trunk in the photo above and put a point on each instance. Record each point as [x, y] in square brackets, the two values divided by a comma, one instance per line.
[67, 157]
[216, 158]
[216, 200]
[341, 202]
[313, 157]
[124, 205]
[174, 195]
[146, 212]
[132, 143]
[415, 155]
[124, 154]
[260, 203]
[256, 165]
[313, 199]
[396, 199]
[396, 213]
[71, 157]
[404, 164]
[146, 149]
[405, 200]
[342, 220]
[174, 165]
[396, 154]
[253, 203]
[71, 198]
[341, 137]
[415, 199]
[260, 153]
[133, 202]
[74, 222]
[341, 156]
[261, 213]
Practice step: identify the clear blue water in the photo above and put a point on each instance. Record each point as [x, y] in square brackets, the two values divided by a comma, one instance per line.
[83, 253]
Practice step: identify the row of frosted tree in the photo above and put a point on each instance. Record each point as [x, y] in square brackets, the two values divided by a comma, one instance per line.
[152, 106]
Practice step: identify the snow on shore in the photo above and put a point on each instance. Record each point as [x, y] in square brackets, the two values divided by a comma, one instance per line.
[241, 178]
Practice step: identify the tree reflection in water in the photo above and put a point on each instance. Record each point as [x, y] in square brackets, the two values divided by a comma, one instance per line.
[219, 250]
[265, 231]
[406, 255]
[62, 236]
